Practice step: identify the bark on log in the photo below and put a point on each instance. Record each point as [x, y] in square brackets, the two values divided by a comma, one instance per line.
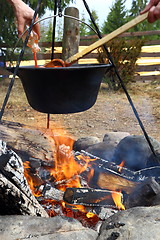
[71, 36]
[13, 201]
[27, 141]
[15, 194]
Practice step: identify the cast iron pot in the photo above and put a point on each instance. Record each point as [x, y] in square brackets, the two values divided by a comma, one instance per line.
[62, 90]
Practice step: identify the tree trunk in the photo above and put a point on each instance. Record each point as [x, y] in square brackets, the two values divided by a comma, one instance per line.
[71, 36]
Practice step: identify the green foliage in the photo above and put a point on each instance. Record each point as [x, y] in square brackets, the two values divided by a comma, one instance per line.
[116, 17]
[124, 54]
[49, 33]
[88, 30]
[136, 7]
[95, 16]
[83, 27]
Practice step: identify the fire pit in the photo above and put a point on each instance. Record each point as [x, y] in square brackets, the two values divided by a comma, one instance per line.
[76, 184]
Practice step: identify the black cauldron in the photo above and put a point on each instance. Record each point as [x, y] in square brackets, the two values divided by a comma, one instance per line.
[62, 90]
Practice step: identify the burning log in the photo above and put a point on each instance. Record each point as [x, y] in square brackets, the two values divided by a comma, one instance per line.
[50, 192]
[115, 182]
[15, 194]
[92, 197]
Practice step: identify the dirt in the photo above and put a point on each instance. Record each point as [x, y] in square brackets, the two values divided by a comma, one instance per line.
[111, 112]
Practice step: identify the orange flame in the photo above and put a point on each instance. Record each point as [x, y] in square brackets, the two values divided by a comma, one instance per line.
[117, 198]
[31, 181]
[121, 165]
[66, 173]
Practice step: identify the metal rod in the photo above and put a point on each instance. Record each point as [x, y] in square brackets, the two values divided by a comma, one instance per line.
[48, 120]
[54, 29]
[53, 45]
[121, 81]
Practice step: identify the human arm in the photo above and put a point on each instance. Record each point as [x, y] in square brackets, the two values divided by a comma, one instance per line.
[24, 15]
[153, 9]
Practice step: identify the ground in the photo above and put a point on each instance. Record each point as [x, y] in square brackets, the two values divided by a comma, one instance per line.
[111, 112]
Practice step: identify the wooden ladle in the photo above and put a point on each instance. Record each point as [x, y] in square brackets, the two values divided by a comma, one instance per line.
[97, 44]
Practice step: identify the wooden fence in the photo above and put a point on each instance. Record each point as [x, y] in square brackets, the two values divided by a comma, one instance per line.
[148, 67]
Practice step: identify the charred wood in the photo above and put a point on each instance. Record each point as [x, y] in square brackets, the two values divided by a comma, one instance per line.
[89, 197]
[15, 194]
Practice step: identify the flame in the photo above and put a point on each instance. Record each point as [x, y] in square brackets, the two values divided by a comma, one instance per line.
[90, 215]
[121, 165]
[117, 198]
[66, 173]
[27, 175]
[30, 179]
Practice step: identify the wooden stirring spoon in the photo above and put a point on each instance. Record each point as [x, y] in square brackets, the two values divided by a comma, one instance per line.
[97, 44]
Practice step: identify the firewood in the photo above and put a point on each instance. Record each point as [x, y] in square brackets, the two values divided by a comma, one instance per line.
[14, 201]
[27, 141]
[115, 182]
[15, 194]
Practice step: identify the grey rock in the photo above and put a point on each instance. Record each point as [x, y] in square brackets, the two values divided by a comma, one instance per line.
[29, 227]
[83, 143]
[102, 150]
[136, 153]
[140, 223]
[114, 137]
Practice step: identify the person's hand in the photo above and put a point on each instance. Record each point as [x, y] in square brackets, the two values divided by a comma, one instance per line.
[153, 9]
[24, 15]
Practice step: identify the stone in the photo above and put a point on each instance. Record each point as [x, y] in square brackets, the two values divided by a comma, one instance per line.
[114, 137]
[29, 227]
[135, 151]
[140, 223]
[102, 150]
[85, 142]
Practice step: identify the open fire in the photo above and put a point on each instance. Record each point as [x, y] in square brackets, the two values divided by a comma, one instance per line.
[90, 190]
[73, 175]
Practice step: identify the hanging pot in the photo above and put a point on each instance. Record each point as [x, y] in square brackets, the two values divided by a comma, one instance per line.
[68, 89]
[62, 90]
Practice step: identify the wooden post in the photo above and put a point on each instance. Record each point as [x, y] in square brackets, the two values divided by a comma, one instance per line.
[71, 34]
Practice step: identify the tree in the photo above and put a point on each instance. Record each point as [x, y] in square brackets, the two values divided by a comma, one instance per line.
[83, 26]
[136, 7]
[116, 17]
[124, 54]
[95, 16]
